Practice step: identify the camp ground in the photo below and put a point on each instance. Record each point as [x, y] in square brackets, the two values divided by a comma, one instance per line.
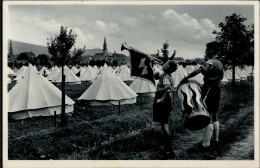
[84, 82]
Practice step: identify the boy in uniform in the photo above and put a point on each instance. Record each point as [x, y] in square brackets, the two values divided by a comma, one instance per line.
[162, 105]
[210, 92]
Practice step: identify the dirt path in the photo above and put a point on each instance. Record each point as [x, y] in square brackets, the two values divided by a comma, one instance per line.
[243, 149]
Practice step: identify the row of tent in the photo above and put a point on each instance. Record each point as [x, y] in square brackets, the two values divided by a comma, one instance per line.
[74, 75]
[35, 95]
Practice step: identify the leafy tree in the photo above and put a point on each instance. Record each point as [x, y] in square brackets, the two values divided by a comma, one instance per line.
[249, 57]
[92, 62]
[60, 50]
[115, 63]
[76, 57]
[22, 56]
[234, 41]
[27, 56]
[165, 52]
[43, 59]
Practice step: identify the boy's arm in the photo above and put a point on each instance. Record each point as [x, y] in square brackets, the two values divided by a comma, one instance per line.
[167, 89]
[192, 74]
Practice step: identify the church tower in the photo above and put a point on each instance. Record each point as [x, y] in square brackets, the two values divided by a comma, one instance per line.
[105, 48]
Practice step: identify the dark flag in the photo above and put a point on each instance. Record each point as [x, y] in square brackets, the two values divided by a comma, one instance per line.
[141, 65]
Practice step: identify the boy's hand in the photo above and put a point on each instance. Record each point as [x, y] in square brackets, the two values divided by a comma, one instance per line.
[184, 80]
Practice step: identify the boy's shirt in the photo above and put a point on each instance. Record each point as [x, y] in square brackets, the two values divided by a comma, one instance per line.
[212, 71]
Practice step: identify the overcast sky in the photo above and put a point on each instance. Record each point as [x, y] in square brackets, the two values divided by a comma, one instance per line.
[187, 28]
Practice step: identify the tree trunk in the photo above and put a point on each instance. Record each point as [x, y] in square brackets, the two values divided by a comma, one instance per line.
[233, 73]
[63, 121]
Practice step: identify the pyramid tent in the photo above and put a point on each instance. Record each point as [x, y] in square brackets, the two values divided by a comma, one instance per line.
[125, 73]
[100, 70]
[178, 75]
[189, 68]
[75, 70]
[70, 77]
[199, 78]
[35, 96]
[15, 70]
[53, 73]
[89, 74]
[240, 74]
[96, 69]
[108, 89]
[116, 70]
[143, 87]
[10, 72]
[111, 69]
[81, 71]
[249, 70]
[21, 70]
[224, 80]
[228, 75]
[21, 75]
[44, 71]
[9, 80]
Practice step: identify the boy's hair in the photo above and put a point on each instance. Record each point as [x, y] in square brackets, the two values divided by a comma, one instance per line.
[172, 66]
[214, 45]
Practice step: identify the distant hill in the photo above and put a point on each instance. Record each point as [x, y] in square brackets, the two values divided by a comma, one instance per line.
[92, 52]
[20, 47]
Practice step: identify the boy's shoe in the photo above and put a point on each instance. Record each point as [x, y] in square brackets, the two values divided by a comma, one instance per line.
[216, 143]
[170, 155]
[204, 148]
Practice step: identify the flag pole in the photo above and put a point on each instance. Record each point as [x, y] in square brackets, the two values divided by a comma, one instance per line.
[124, 46]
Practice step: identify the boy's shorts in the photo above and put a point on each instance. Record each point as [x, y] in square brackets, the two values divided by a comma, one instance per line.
[212, 100]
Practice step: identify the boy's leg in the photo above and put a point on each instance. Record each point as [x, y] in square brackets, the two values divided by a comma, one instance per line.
[208, 135]
[216, 130]
[167, 137]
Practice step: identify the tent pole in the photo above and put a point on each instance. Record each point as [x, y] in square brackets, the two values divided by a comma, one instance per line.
[91, 113]
[119, 107]
[141, 102]
[55, 118]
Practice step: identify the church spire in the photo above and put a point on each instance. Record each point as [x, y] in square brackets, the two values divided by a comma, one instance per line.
[10, 52]
[105, 47]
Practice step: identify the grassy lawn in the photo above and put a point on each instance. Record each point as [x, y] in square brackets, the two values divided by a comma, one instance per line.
[130, 135]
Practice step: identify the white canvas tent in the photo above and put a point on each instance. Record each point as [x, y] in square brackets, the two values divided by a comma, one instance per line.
[228, 75]
[70, 77]
[35, 96]
[189, 68]
[241, 74]
[178, 75]
[44, 71]
[89, 74]
[224, 80]
[21, 70]
[53, 73]
[10, 72]
[21, 75]
[96, 68]
[143, 86]
[108, 89]
[125, 73]
[81, 71]
[199, 77]
[75, 70]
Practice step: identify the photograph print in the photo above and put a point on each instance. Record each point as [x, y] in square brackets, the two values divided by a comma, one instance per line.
[124, 81]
